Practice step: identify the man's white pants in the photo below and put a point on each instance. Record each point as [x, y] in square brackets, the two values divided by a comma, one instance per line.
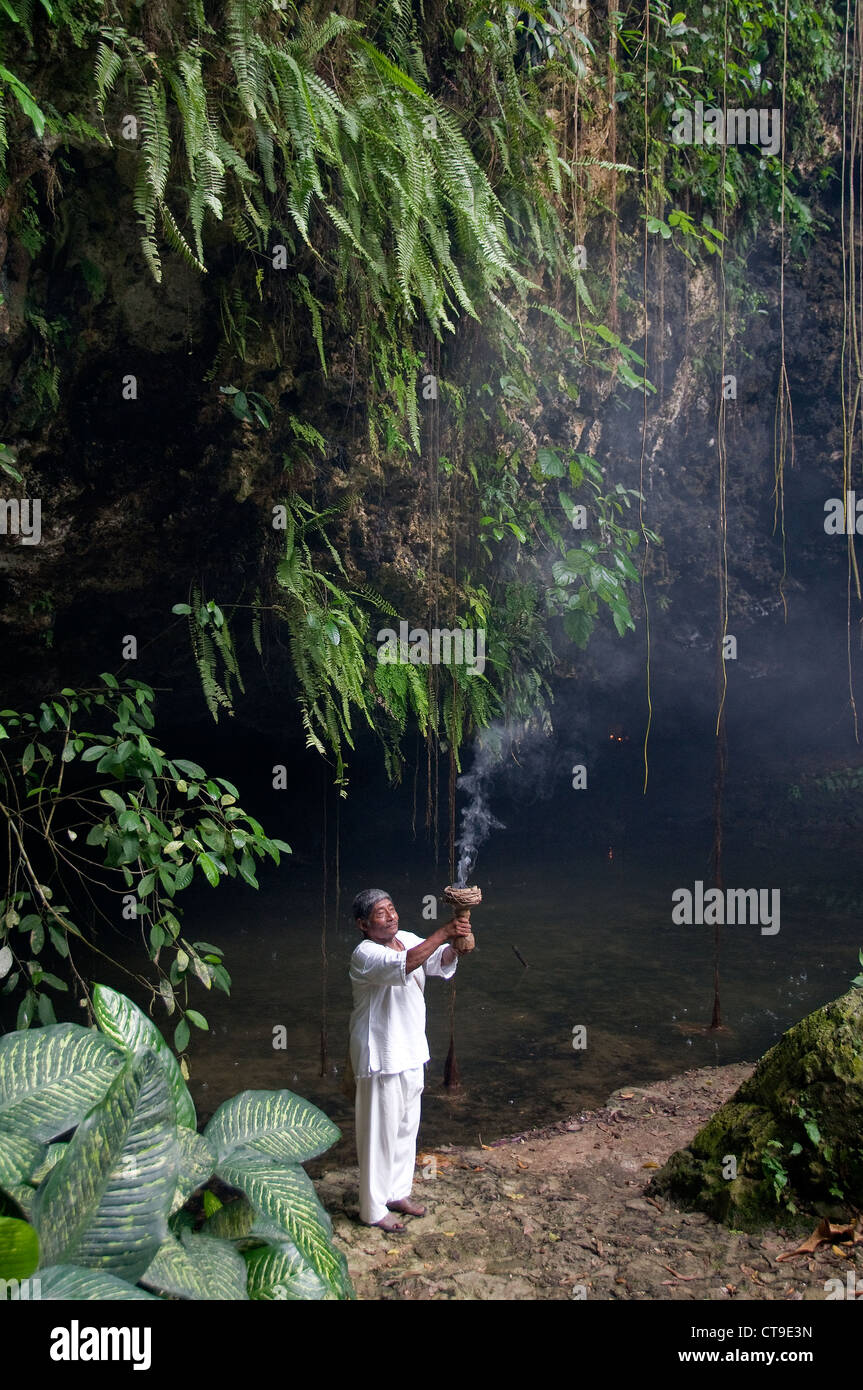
[388, 1117]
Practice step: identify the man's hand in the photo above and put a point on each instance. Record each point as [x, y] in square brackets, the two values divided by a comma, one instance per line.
[457, 926]
[460, 934]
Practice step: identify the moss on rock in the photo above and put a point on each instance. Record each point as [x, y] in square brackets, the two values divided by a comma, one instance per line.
[790, 1140]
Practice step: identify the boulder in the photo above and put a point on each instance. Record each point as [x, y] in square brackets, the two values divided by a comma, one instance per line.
[789, 1142]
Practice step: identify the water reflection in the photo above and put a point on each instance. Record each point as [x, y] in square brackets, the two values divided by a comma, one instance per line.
[602, 955]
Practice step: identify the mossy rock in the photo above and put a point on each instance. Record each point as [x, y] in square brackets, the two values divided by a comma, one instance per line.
[794, 1131]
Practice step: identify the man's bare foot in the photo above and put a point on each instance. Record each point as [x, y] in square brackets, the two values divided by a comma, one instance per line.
[407, 1206]
[388, 1223]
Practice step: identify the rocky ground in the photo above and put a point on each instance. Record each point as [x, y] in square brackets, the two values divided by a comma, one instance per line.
[561, 1213]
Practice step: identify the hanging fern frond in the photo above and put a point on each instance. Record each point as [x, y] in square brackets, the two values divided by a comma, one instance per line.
[109, 65]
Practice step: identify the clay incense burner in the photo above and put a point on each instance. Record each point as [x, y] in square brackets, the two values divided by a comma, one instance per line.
[462, 899]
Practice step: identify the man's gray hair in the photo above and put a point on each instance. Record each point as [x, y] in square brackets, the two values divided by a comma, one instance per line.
[365, 901]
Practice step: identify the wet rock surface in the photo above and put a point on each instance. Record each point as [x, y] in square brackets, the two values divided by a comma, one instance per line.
[792, 1130]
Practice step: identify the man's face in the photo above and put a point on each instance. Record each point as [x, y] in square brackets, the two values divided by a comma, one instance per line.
[382, 923]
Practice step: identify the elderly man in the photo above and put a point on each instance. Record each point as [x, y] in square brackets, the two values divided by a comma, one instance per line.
[389, 1049]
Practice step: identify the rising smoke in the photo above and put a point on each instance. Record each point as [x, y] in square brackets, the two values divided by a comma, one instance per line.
[503, 753]
[477, 821]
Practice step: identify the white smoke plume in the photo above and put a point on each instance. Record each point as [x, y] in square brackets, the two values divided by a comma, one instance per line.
[499, 752]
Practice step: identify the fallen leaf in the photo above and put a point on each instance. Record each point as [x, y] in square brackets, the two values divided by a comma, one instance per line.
[825, 1230]
[846, 1254]
[627, 1095]
[650, 1165]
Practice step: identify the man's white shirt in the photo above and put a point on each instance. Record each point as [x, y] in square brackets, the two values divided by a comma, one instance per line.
[389, 1018]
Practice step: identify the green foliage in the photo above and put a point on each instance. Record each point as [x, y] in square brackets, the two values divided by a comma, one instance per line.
[327, 634]
[158, 822]
[8, 461]
[689, 64]
[105, 1213]
[213, 649]
[597, 571]
[402, 205]
[394, 181]
[40, 373]
[776, 1171]
[248, 405]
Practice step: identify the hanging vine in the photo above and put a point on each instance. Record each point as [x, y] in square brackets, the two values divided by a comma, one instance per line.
[851, 229]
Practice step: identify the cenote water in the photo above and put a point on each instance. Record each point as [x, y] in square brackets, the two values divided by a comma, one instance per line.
[582, 894]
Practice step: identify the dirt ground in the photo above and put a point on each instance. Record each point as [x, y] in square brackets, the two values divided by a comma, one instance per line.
[561, 1213]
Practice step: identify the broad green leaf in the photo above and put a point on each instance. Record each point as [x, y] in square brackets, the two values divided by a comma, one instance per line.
[209, 868]
[54, 981]
[58, 941]
[50, 1078]
[211, 1203]
[183, 876]
[198, 1267]
[269, 1127]
[96, 750]
[197, 1164]
[45, 1010]
[59, 1283]
[105, 1204]
[16, 1201]
[203, 973]
[25, 1011]
[578, 626]
[277, 1273]
[550, 463]
[286, 1195]
[190, 769]
[20, 1158]
[127, 1024]
[19, 1249]
[52, 1157]
[234, 1220]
